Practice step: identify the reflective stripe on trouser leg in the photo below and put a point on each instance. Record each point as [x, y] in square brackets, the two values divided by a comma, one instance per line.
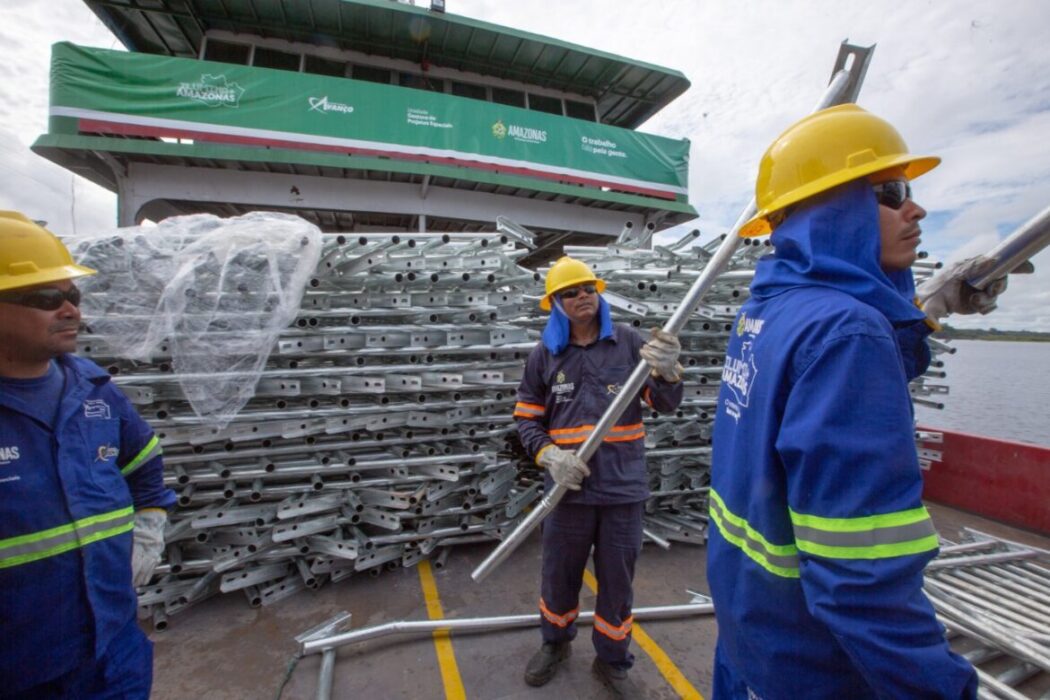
[568, 533]
[618, 542]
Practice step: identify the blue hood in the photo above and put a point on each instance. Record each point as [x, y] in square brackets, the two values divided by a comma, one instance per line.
[556, 334]
[834, 242]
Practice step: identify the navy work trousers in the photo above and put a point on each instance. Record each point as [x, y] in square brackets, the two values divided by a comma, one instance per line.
[616, 534]
[124, 672]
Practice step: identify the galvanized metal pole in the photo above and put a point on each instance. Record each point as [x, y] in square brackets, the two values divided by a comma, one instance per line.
[843, 88]
[319, 644]
[1029, 238]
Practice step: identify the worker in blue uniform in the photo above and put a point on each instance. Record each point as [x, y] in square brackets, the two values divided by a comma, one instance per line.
[82, 499]
[570, 379]
[818, 536]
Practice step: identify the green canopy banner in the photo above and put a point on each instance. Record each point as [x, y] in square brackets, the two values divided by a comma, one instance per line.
[132, 94]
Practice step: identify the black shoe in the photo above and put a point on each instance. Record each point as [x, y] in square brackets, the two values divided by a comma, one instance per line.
[544, 663]
[616, 680]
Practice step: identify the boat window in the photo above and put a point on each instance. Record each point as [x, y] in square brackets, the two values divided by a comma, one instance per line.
[324, 66]
[503, 96]
[225, 52]
[371, 74]
[474, 92]
[540, 103]
[421, 82]
[579, 110]
[271, 58]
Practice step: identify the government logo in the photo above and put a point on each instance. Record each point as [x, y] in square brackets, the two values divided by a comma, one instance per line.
[212, 90]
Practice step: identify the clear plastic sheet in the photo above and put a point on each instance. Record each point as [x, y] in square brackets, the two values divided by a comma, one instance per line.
[211, 293]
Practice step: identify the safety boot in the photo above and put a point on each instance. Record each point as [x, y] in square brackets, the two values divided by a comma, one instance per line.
[544, 663]
[616, 680]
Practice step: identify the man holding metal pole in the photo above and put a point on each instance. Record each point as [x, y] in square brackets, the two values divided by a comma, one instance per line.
[819, 537]
[82, 496]
[570, 378]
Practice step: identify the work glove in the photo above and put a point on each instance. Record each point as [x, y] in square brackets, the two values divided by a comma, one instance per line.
[565, 467]
[661, 352]
[148, 544]
[947, 292]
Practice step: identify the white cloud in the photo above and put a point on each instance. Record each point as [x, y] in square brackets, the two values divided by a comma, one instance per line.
[968, 80]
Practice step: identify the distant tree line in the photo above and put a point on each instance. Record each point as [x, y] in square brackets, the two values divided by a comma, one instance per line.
[992, 334]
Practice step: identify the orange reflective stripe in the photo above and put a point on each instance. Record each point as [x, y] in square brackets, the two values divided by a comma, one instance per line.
[571, 441]
[559, 620]
[625, 433]
[618, 433]
[612, 631]
[571, 436]
[578, 428]
[528, 410]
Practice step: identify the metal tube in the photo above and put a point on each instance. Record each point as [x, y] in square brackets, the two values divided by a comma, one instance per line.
[714, 268]
[998, 688]
[486, 624]
[995, 557]
[1005, 611]
[1027, 240]
[655, 539]
[324, 679]
[971, 621]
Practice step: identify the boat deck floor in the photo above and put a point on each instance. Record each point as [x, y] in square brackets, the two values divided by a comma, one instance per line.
[222, 649]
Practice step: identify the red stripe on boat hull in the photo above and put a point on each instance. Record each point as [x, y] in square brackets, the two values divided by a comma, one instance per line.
[999, 479]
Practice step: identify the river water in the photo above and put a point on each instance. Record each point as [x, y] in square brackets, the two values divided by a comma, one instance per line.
[998, 389]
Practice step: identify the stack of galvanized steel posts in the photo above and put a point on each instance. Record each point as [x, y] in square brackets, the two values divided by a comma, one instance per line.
[380, 431]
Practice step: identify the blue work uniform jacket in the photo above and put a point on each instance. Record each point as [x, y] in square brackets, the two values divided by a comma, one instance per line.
[819, 538]
[562, 397]
[67, 503]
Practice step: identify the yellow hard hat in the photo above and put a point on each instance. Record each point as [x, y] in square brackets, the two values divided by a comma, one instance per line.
[30, 254]
[825, 150]
[568, 272]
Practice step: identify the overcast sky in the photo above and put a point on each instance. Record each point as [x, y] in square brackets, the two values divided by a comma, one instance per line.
[966, 80]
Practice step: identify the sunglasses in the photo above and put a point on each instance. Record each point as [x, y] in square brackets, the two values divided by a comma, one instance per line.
[574, 292]
[48, 299]
[892, 194]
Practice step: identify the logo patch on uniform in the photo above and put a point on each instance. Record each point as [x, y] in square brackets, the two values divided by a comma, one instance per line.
[749, 325]
[562, 390]
[96, 408]
[613, 388]
[106, 453]
[739, 375]
[9, 454]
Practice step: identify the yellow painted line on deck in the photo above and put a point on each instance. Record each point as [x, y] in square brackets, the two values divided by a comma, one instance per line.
[442, 643]
[674, 677]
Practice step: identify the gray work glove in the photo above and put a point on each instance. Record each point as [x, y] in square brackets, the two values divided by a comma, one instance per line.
[148, 544]
[565, 467]
[947, 292]
[661, 352]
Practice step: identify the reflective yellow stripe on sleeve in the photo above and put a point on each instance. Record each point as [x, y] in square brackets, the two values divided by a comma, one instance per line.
[869, 537]
[151, 450]
[777, 559]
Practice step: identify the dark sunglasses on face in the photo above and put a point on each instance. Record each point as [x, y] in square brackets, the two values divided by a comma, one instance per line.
[574, 292]
[47, 299]
[892, 194]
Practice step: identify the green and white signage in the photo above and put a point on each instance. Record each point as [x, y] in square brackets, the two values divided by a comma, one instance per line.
[141, 94]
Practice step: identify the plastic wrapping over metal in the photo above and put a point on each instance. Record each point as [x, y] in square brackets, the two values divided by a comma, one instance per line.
[212, 294]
